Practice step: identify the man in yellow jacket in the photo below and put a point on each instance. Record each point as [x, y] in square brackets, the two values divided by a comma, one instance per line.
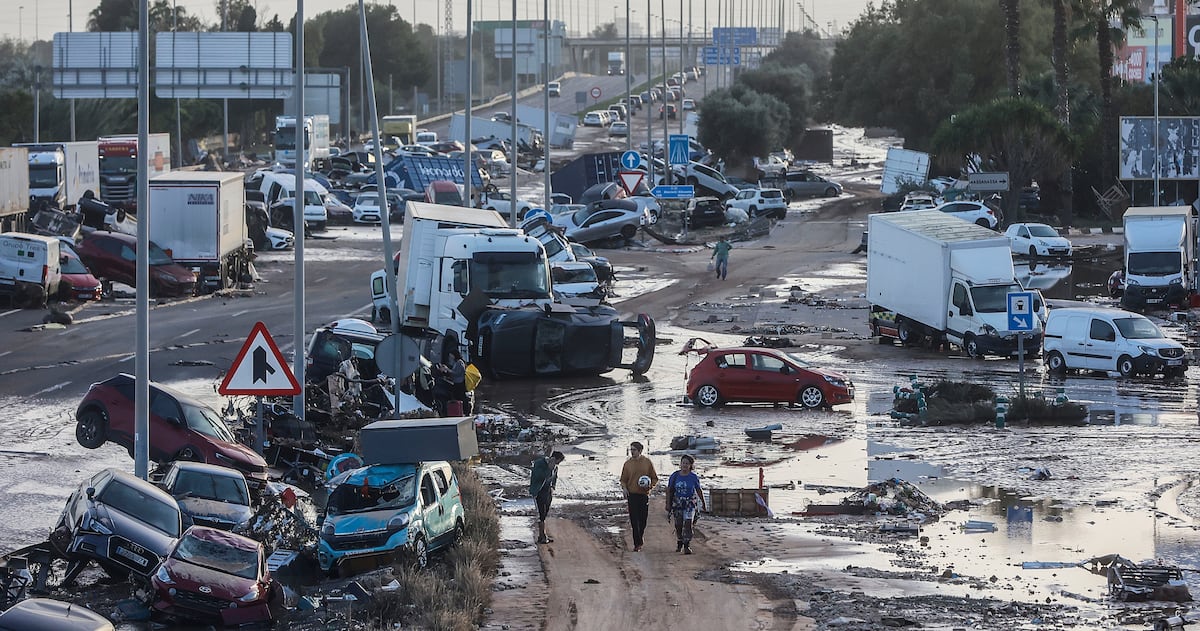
[637, 480]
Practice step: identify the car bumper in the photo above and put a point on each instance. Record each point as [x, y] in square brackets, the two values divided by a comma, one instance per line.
[202, 607]
[114, 551]
[329, 555]
[367, 218]
[1055, 252]
[1142, 296]
[1156, 364]
[86, 293]
[838, 395]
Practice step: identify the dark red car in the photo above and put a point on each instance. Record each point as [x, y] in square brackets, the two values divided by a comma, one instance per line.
[77, 281]
[112, 256]
[214, 575]
[181, 428]
[761, 375]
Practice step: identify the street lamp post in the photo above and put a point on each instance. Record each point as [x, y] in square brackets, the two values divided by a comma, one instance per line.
[21, 23]
[1157, 159]
[628, 83]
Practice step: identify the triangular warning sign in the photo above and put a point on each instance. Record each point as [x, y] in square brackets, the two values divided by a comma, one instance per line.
[259, 368]
[630, 180]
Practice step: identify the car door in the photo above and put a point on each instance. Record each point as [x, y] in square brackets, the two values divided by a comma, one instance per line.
[434, 514]
[1103, 348]
[960, 315]
[771, 380]
[597, 226]
[446, 500]
[168, 429]
[1020, 240]
[733, 376]
[742, 200]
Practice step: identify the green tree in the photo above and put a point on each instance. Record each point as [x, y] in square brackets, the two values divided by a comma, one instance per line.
[801, 49]
[1016, 135]
[789, 85]
[739, 123]
[1012, 44]
[1179, 87]
[1108, 20]
[16, 116]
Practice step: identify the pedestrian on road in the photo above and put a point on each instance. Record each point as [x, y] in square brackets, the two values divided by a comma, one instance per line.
[683, 492]
[638, 478]
[458, 380]
[542, 480]
[721, 256]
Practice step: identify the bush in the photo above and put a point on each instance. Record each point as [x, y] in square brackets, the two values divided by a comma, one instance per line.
[1038, 410]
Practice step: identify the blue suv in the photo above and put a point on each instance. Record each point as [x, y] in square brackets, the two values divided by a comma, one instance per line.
[391, 511]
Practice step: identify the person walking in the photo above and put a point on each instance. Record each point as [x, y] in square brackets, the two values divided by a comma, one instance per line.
[683, 492]
[638, 478]
[721, 256]
[542, 480]
[458, 380]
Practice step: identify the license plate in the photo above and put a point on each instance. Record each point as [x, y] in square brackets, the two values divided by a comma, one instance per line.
[1174, 362]
[136, 558]
[1153, 300]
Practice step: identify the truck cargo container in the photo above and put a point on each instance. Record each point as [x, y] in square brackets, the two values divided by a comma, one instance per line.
[198, 218]
[14, 188]
[60, 172]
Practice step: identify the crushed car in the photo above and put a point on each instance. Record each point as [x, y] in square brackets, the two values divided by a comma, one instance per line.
[208, 495]
[213, 575]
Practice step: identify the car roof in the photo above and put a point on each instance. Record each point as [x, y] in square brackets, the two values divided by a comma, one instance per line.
[374, 475]
[132, 480]
[126, 378]
[1111, 312]
[210, 469]
[204, 533]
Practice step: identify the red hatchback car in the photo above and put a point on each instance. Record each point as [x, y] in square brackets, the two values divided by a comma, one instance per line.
[113, 256]
[214, 575]
[181, 428]
[761, 375]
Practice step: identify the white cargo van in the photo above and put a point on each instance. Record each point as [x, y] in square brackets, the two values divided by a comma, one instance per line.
[30, 268]
[277, 186]
[1110, 340]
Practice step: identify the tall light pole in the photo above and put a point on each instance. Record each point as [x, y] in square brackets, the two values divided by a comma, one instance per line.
[663, 38]
[21, 23]
[469, 155]
[546, 185]
[512, 169]
[1157, 159]
[649, 91]
[628, 83]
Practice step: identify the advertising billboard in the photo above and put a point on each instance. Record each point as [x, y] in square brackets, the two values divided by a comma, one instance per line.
[1178, 148]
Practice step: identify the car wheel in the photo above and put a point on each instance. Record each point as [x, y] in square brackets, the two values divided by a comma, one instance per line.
[708, 396]
[628, 232]
[1032, 252]
[907, 335]
[91, 429]
[420, 553]
[1125, 366]
[385, 316]
[188, 453]
[831, 192]
[753, 212]
[811, 397]
[459, 530]
[971, 346]
[1056, 363]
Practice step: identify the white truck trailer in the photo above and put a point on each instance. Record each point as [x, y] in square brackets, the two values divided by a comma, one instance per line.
[316, 139]
[935, 278]
[60, 172]
[1160, 256]
[199, 218]
[14, 188]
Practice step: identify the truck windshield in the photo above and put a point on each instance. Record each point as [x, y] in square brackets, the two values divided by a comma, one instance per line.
[1154, 263]
[118, 164]
[506, 275]
[353, 498]
[1138, 328]
[992, 298]
[285, 139]
[43, 176]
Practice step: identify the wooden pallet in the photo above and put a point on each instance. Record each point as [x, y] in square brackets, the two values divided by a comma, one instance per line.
[738, 502]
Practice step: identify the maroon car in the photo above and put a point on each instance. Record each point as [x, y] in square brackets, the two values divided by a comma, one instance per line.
[214, 575]
[181, 428]
[77, 281]
[112, 256]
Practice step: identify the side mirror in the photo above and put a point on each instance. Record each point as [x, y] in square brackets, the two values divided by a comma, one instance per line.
[62, 260]
[91, 492]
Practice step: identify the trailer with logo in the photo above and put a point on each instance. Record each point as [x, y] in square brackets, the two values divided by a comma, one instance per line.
[198, 218]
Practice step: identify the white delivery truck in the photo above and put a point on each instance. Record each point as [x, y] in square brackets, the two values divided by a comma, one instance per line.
[14, 188]
[29, 268]
[616, 63]
[484, 289]
[935, 278]
[1160, 256]
[316, 139]
[199, 218]
[60, 172]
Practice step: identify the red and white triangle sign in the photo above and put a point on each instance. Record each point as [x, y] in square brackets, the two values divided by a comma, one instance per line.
[259, 368]
[630, 180]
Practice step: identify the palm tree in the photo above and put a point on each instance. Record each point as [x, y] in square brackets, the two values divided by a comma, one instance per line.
[1109, 19]
[1012, 44]
[1062, 109]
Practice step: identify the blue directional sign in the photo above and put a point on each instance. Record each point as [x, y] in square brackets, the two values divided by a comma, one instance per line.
[630, 160]
[735, 36]
[1020, 311]
[719, 56]
[674, 192]
[679, 149]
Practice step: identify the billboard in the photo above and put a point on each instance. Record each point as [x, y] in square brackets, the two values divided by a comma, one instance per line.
[1178, 148]
[1135, 61]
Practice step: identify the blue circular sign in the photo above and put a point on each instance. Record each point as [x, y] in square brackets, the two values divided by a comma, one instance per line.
[630, 160]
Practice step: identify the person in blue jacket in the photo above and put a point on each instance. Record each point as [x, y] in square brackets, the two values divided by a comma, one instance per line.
[683, 493]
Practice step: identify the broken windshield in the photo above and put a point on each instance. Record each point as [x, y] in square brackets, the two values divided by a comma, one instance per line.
[360, 498]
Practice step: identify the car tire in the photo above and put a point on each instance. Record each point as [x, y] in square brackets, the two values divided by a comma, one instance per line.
[459, 531]
[811, 397]
[831, 192]
[708, 396]
[385, 316]
[971, 347]
[628, 232]
[420, 553]
[1032, 252]
[753, 212]
[1056, 363]
[91, 429]
[1125, 366]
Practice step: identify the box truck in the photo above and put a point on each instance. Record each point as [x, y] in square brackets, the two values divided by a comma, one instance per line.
[60, 172]
[30, 268]
[935, 278]
[199, 218]
[14, 188]
[616, 63]
[119, 166]
[402, 126]
[1160, 256]
[316, 139]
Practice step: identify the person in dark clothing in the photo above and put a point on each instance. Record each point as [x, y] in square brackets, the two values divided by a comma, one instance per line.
[542, 480]
[458, 380]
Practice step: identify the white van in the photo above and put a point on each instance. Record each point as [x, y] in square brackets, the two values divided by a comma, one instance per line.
[1109, 340]
[426, 137]
[30, 268]
[276, 186]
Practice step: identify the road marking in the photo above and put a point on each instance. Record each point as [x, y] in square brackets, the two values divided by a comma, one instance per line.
[192, 332]
[242, 312]
[121, 361]
[8, 313]
[53, 388]
[5, 353]
[321, 279]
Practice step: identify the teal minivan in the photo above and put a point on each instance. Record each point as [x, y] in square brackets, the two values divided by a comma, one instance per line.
[391, 511]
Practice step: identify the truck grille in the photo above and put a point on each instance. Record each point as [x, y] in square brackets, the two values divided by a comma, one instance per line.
[1170, 353]
[122, 192]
